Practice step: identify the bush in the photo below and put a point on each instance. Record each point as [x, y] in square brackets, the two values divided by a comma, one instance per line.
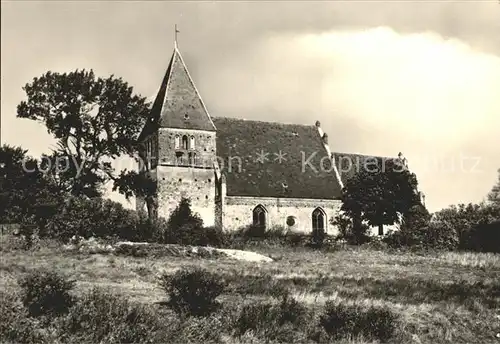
[148, 229]
[214, 236]
[95, 217]
[100, 317]
[46, 293]
[15, 326]
[183, 216]
[193, 292]
[435, 235]
[417, 217]
[469, 221]
[343, 320]
[485, 237]
[356, 235]
[279, 322]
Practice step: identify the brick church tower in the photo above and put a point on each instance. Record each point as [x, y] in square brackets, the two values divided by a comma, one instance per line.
[179, 145]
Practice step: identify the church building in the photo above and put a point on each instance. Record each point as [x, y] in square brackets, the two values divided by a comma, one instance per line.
[238, 172]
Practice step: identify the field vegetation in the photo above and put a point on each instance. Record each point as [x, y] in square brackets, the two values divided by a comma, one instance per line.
[351, 295]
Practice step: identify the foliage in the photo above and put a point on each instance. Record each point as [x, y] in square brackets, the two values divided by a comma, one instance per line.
[183, 215]
[275, 322]
[378, 193]
[93, 119]
[140, 185]
[213, 236]
[341, 320]
[416, 217]
[26, 196]
[101, 317]
[352, 234]
[469, 222]
[486, 237]
[96, 217]
[193, 292]
[494, 195]
[435, 235]
[149, 229]
[186, 228]
[15, 325]
[46, 293]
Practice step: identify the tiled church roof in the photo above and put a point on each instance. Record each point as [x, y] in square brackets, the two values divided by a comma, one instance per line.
[243, 140]
[178, 103]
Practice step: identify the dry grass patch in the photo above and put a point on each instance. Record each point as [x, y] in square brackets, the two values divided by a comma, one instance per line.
[440, 298]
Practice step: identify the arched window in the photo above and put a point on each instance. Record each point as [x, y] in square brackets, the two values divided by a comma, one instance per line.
[318, 220]
[191, 143]
[185, 142]
[260, 216]
[177, 142]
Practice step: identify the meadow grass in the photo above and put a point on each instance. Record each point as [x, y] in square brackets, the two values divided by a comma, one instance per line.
[441, 297]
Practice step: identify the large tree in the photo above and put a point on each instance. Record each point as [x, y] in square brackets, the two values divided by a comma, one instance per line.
[94, 120]
[379, 193]
[494, 195]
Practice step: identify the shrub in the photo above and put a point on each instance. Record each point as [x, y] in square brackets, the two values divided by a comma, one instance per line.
[417, 217]
[485, 237]
[95, 217]
[100, 317]
[214, 236]
[468, 221]
[15, 326]
[342, 320]
[186, 228]
[193, 292]
[273, 321]
[352, 234]
[46, 293]
[148, 229]
[435, 235]
[183, 216]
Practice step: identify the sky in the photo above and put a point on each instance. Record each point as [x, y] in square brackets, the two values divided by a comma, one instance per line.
[421, 78]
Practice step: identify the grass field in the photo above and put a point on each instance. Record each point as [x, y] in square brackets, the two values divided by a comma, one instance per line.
[441, 298]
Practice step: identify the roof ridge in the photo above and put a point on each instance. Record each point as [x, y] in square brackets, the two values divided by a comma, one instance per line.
[364, 155]
[176, 50]
[169, 77]
[259, 121]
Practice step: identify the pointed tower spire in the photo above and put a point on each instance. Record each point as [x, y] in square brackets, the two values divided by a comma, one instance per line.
[178, 103]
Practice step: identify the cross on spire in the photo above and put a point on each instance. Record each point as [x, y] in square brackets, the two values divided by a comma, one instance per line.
[175, 35]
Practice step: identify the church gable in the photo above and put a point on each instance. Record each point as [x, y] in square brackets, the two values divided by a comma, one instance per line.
[263, 159]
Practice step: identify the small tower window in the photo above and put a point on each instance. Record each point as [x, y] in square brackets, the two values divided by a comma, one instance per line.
[177, 142]
[192, 158]
[191, 143]
[184, 142]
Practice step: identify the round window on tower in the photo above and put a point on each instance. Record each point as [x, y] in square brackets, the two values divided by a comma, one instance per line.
[291, 221]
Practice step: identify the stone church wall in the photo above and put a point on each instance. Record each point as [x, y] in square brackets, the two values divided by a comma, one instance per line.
[238, 212]
[194, 183]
